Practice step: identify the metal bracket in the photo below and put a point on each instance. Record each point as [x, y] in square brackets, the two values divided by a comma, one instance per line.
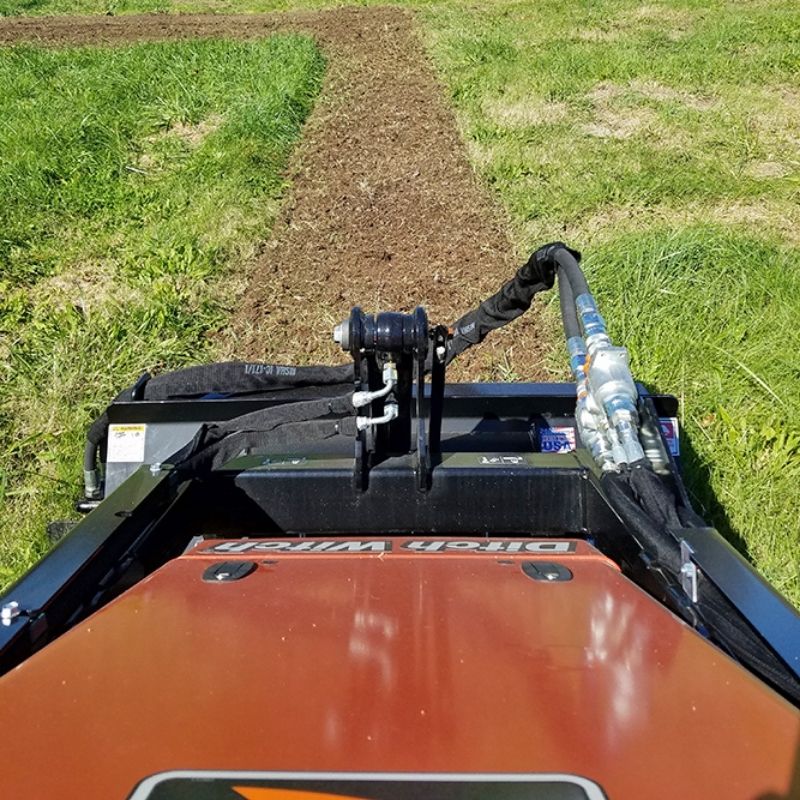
[9, 612]
[395, 346]
[689, 571]
[12, 611]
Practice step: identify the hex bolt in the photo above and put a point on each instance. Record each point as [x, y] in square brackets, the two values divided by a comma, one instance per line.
[9, 612]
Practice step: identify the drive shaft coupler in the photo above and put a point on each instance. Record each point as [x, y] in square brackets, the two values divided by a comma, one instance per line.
[386, 332]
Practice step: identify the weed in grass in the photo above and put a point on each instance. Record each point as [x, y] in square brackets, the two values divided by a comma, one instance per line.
[107, 268]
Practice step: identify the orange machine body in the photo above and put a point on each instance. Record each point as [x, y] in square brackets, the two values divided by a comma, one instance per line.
[393, 656]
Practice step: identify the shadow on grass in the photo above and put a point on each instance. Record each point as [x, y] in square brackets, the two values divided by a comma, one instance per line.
[697, 477]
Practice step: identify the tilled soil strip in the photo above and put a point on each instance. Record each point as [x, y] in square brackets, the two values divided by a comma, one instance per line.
[384, 211]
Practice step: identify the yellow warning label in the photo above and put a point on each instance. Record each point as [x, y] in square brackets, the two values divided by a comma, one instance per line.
[126, 444]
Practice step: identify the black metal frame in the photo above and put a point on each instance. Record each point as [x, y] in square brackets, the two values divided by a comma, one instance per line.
[486, 482]
[503, 400]
[87, 567]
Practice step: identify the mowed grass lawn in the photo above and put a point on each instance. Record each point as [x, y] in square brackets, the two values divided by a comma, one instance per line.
[663, 140]
[134, 182]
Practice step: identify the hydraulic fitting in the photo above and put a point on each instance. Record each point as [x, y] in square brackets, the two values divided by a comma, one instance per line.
[361, 399]
[390, 412]
[593, 325]
[606, 413]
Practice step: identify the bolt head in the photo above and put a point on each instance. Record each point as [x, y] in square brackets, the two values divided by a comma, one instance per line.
[9, 612]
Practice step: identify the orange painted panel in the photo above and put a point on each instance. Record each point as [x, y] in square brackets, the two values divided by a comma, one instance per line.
[393, 663]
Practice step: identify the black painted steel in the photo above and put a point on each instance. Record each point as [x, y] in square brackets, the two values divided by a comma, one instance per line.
[473, 497]
[774, 619]
[81, 571]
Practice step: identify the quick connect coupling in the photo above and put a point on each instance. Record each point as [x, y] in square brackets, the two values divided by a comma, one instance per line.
[592, 323]
[612, 386]
[577, 357]
[593, 430]
[606, 412]
[591, 422]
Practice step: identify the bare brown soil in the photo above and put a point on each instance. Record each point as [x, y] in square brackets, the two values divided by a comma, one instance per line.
[384, 209]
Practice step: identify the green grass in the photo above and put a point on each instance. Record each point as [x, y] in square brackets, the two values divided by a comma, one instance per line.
[662, 140]
[134, 182]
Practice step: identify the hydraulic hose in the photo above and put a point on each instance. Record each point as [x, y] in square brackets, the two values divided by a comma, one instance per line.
[512, 300]
[606, 411]
[91, 481]
[96, 434]
[569, 315]
[568, 266]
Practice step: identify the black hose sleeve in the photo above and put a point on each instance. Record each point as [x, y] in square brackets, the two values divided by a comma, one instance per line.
[513, 300]
[647, 508]
[545, 261]
[239, 378]
[261, 424]
[280, 438]
[226, 379]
